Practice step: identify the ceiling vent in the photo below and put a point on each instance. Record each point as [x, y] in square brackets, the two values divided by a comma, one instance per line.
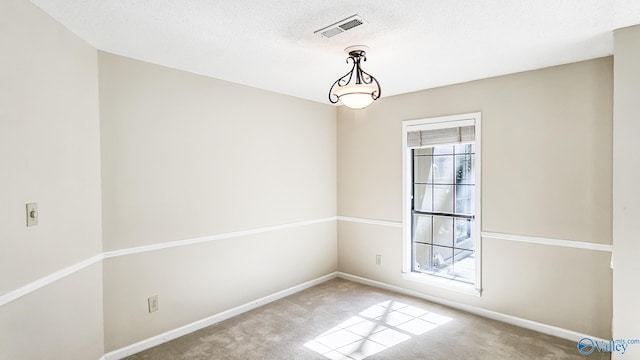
[341, 26]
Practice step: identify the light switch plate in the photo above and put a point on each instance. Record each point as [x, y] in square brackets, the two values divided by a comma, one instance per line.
[32, 214]
[153, 303]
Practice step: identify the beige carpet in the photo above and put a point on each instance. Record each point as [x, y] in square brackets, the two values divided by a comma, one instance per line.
[340, 319]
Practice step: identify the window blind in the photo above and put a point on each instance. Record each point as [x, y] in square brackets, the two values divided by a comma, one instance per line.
[435, 137]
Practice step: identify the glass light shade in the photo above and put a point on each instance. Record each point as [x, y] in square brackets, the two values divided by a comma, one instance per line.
[355, 96]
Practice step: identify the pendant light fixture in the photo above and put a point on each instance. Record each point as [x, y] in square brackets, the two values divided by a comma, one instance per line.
[357, 89]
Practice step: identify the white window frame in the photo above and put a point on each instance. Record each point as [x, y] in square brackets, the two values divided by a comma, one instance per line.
[441, 122]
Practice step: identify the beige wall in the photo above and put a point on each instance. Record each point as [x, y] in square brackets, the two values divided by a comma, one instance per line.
[197, 281]
[59, 321]
[546, 172]
[49, 154]
[626, 195]
[186, 156]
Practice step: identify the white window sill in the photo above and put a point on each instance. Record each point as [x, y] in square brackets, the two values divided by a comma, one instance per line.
[443, 283]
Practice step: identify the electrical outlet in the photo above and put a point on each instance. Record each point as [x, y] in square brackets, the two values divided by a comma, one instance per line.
[378, 259]
[153, 303]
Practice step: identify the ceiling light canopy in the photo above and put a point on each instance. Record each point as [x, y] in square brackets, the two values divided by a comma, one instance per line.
[357, 89]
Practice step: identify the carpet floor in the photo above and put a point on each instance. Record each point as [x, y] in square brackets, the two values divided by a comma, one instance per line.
[340, 319]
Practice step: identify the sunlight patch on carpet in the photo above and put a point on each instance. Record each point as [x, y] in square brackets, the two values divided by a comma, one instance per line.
[375, 329]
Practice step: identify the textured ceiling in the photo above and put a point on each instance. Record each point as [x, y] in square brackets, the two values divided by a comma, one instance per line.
[414, 44]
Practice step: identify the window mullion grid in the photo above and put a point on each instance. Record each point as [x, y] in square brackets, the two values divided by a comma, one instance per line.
[433, 207]
[453, 221]
[431, 184]
[413, 197]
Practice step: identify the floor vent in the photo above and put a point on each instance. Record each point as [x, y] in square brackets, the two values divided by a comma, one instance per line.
[341, 26]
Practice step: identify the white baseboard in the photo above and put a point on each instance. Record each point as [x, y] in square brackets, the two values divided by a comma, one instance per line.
[524, 323]
[197, 325]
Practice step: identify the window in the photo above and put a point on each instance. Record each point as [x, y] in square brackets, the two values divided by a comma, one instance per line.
[442, 201]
